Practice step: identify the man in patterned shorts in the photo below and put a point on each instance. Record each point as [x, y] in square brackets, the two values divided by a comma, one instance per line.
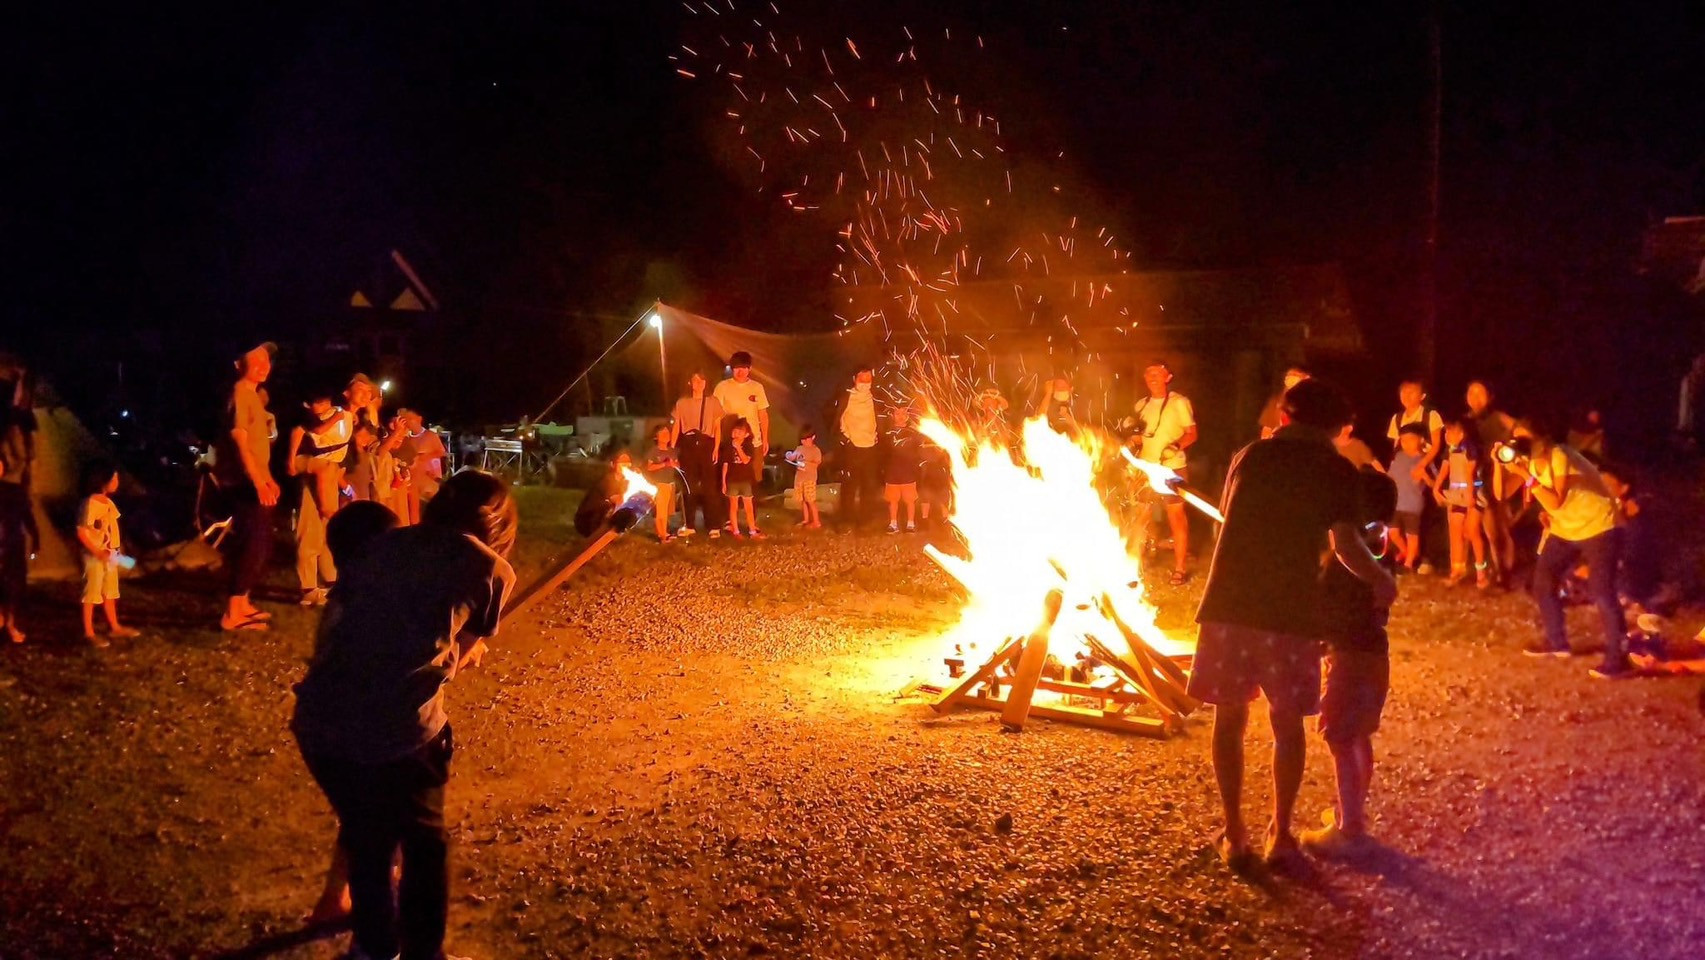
[1290, 504]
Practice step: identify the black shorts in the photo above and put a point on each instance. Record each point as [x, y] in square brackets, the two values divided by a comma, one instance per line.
[1407, 523]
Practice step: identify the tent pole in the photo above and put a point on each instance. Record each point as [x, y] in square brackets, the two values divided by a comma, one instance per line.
[583, 374]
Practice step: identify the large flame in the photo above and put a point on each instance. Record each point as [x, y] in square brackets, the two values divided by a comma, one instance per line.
[1034, 526]
[637, 484]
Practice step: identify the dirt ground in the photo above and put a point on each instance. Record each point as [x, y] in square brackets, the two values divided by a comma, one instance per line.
[697, 751]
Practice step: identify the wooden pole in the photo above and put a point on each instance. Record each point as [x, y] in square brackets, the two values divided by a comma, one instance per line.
[548, 581]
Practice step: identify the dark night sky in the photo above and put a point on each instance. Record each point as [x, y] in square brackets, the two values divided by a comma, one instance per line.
[224, 171]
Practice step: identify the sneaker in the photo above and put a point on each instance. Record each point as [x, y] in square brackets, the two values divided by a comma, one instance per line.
[685, 532]
[1425, 569]
[1605, 672]
[1540, 650]
[715, 533]
[893, 528]
[307, 598]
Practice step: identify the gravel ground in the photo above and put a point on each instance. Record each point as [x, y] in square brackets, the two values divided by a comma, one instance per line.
[697, 750]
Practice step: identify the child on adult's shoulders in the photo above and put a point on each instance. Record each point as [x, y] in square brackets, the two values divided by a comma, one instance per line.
[1358, 677]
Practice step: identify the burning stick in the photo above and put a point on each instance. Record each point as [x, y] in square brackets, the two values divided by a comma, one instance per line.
[1030, 663]
[1166, 478]
[636, 503]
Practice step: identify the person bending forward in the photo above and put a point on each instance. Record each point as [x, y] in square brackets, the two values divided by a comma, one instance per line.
[370, 720]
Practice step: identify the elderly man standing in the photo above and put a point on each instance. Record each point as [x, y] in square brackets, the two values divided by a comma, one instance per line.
[1286, 499]
[858, 453]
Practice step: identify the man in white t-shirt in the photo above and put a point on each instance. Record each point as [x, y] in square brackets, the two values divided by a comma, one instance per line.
[1165, 428]
[743, 397]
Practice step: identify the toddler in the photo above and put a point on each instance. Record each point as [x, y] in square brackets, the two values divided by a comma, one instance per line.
[97, 531]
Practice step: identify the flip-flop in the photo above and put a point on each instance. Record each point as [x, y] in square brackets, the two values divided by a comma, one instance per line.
[247, 623]
[1240, 860]
[1283, 856]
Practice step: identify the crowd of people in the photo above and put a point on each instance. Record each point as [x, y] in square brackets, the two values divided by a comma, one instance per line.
[338, 453]
[411, 567]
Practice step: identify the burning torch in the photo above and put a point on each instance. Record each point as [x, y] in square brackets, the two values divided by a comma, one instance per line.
[1166, 478]
[635, 504]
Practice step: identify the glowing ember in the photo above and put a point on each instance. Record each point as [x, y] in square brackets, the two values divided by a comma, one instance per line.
[1037, 526]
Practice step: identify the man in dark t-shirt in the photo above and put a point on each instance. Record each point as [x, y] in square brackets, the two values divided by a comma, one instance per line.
[1290, 502]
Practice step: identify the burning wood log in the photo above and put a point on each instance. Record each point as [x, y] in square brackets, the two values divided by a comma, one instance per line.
[1030, 664]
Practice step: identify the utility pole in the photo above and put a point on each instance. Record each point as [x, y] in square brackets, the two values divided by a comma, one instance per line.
[1427, 347]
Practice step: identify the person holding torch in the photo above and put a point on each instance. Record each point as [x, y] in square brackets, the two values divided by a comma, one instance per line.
[1580, 520]
[1166, 426]
[411, 613]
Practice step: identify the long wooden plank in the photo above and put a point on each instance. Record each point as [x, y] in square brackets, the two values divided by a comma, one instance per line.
[1149, 662]
[1117, 722]
[555, 577]
[1165, 664]
[1140, 677]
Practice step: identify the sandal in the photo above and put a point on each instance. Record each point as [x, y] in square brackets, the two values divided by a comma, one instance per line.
[250, 622]
[1237, 857]
[1283, 854]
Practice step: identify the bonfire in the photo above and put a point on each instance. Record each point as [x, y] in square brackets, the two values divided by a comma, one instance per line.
[1054, 593]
